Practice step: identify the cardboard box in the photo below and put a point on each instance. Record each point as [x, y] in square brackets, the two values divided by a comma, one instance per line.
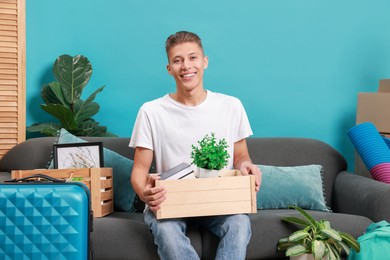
[228, 194]
[384, 85]
[98, 180]
[375, 107]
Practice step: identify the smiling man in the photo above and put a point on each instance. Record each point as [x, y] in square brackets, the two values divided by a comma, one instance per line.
[166, 128]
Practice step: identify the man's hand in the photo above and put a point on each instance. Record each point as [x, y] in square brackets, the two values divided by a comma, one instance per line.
[249, 168]
[153, 196]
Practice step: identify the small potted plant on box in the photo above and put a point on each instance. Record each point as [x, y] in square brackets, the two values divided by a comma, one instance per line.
[210, 156]
[317, 240]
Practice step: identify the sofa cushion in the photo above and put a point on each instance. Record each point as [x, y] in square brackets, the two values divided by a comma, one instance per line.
[301, 186]
[121, 166]
[123, 235]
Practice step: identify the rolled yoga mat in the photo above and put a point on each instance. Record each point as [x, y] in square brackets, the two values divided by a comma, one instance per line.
[373, 149]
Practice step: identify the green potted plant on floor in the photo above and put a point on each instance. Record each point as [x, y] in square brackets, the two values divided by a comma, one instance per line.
[210, 156]
[316, 238]
[63, 100]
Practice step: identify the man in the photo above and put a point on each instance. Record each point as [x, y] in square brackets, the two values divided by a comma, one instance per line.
[167, 127]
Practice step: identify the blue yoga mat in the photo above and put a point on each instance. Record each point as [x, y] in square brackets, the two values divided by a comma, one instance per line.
[370, 145]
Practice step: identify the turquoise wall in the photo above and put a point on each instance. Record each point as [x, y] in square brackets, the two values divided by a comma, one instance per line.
[297, 65]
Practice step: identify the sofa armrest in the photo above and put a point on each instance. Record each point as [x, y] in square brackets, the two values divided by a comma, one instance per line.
[358, 195]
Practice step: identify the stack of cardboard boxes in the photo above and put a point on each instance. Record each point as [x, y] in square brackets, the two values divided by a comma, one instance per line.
[375, 108]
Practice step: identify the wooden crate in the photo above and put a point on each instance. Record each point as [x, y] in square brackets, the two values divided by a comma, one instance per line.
[228, 194]
[98, 180]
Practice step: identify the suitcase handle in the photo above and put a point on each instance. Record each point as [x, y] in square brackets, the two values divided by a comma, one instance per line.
[34, 176]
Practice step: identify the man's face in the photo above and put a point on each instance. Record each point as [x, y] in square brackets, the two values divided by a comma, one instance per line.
[186, 65]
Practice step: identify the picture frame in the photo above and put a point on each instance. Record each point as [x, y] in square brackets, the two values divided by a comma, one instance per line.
[78, 155]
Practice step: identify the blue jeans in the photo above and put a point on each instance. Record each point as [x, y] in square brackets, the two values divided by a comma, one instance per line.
[172, 243]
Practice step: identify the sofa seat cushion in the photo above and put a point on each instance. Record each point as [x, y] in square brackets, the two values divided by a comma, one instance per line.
[123, 235]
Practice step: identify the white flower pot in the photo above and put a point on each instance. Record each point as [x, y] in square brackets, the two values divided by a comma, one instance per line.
[206, 173]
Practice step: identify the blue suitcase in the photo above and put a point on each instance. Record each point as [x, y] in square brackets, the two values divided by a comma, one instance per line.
[49, 219]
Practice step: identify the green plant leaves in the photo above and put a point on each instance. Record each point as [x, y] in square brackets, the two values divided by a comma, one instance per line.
[86, 109]
[307, 216]
[331, 233]
[318, 248]
[49, 129]
[350, 241]
[295, 220]
[298, 235]
[210, 153]
[73, 74]
[63, 99]
[63, 114]
[317, 238]
[296, 250]
[52, 94]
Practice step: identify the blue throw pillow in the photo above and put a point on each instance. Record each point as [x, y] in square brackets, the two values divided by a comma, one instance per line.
[301, 186]
[124, 194]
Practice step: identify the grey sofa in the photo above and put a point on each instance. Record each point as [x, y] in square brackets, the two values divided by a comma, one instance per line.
[355, 201]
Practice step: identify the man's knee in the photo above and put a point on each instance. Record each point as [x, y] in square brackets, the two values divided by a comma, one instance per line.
[237, 223]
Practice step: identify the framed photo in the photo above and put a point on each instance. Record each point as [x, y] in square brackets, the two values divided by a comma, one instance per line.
[78, 155]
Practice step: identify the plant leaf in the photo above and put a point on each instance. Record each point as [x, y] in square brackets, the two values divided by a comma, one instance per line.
[54, 95]
[284, 243]
[91, 128]
[345, 247]
[351, 241]
[332, 253]
[307, 216]
[296, 250]
[88, 108]
[64, 115]
[73, 74]
[49, 129]
[326, 223]
[318, 249]
[298, 235]
[295, 220]
[332, 234]
[85, 112]
[48, 96]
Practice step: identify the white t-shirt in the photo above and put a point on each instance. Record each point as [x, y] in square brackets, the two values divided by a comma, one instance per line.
[169, 128]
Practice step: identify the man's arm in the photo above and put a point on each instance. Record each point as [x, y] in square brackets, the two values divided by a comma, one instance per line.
[243, 162]
[143, 183]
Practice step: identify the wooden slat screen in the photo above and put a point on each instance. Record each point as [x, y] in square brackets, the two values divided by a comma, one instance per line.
[12, 74]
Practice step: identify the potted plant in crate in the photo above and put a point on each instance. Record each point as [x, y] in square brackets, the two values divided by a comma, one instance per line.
[317, 238]
[210, 156]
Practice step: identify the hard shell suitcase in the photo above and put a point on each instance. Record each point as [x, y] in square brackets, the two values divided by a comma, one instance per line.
[49, 219]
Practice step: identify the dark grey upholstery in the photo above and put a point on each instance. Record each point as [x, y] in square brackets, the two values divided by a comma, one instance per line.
[356, 201]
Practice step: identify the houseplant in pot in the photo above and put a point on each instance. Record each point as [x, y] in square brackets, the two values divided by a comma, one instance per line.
[210, 156]
[63, 100]
[317, 238]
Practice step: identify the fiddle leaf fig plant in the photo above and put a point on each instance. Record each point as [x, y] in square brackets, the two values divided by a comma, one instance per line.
[210, 153]
[316, 238]
[63, 100]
